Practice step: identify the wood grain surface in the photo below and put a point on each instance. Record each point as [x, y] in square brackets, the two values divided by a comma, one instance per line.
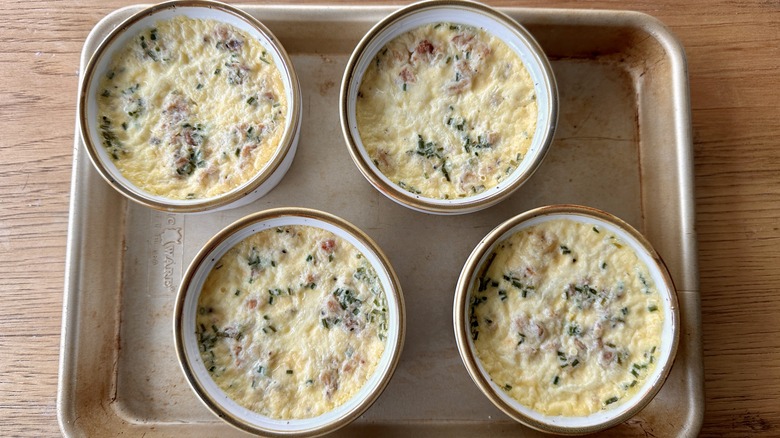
[733, 50]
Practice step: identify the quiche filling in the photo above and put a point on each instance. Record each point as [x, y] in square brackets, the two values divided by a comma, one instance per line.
[446, 111]
[292, 322]
[191, 108]
[566, 318]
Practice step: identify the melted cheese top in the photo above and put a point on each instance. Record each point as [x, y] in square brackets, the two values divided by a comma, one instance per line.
[191, 108]
[446, 111]
[566, 319]
[292, 322]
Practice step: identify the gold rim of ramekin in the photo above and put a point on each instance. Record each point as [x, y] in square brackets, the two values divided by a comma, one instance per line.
[462, 334]
[141, 196]
[202, 256]
[461, 205]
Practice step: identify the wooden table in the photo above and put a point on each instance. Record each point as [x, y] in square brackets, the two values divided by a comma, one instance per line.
[733, 51]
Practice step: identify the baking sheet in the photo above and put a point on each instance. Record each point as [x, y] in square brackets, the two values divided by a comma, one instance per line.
[623, 145]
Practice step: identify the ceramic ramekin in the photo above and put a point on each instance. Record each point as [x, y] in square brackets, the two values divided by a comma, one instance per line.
[568, 425]
[187, 347]
[261, 183]
[457, 12]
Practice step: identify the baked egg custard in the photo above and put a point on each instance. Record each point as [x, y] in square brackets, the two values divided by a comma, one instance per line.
[292, 322]
[565, 318]
[446, 111]
[191, 108]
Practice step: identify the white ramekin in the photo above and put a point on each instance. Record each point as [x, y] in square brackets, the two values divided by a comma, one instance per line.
[265, 180]
[568, 425]
[460, 12]
[186, 340]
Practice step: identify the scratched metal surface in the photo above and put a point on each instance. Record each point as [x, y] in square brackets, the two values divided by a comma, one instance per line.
[623, 145]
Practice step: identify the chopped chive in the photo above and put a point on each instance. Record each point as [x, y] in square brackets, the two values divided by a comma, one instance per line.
[610, 401]
[652, 308]
[289, 371]
[555, 380]
[444, 170]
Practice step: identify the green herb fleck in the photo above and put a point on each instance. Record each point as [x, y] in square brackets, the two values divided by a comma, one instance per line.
[409, 188]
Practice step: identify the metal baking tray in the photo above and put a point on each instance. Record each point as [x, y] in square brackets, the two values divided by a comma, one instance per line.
[623, 145]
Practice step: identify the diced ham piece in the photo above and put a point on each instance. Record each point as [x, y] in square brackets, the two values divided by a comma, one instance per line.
[423, 53]
[328, 245]
[407, 75]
